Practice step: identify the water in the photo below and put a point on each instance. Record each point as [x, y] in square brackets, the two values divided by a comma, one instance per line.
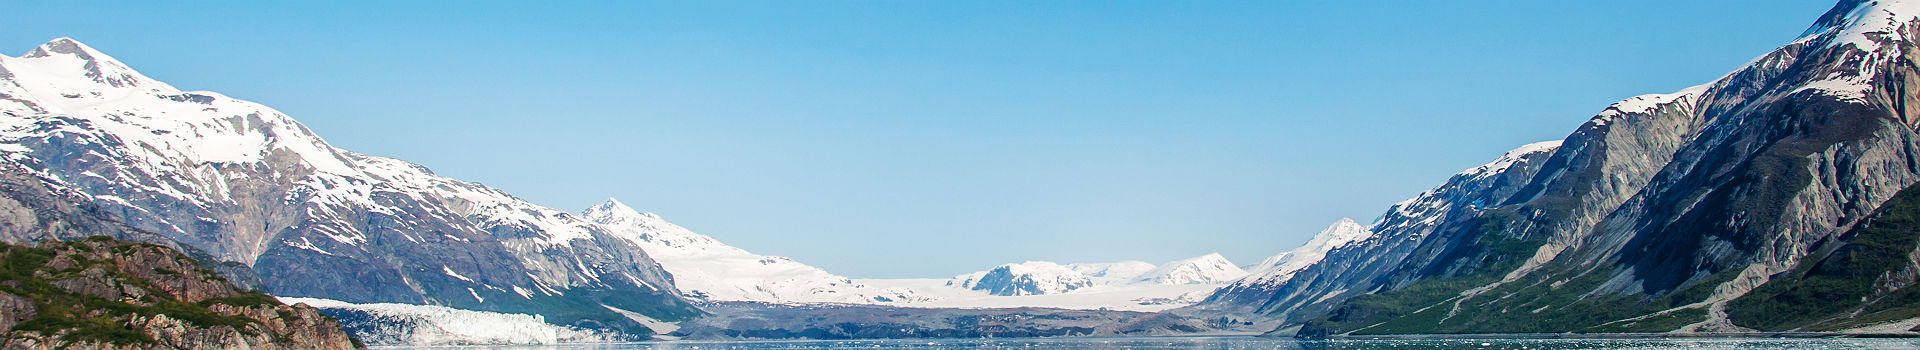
[1235, 343]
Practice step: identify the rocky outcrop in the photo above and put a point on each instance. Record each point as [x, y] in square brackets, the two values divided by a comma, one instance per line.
[100, 293]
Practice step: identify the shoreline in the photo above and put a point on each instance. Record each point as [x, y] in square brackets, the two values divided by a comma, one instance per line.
[1736, 335]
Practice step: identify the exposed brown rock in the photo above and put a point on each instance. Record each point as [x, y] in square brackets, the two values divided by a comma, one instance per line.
[143, 296]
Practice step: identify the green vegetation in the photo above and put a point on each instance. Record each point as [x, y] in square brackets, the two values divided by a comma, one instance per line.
[1537, 303]
[1837, 290]
[77, 317]
[1421, 303]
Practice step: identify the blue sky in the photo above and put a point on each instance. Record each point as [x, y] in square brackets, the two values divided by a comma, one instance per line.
[927, 139]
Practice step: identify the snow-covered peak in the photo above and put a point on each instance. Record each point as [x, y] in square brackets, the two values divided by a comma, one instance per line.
[614, 212]
[1512, 156]
[64, 80]
[708, 269]
[1875, 29]
[1648, 103]
[1282, 266]
[1026, 278]
[1204, 269]
[68, 56]
[1864, 22]
[637, 226]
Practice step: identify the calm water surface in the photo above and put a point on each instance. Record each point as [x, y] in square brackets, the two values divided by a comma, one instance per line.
[1229, 343]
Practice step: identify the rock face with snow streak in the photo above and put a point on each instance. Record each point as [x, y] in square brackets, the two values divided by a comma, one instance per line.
[1281, 267]
[247, 184]
[706, 269]
[1654, 215]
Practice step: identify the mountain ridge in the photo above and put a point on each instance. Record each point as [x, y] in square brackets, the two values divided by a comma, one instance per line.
[1651, 217]
[249, 185]
[710, 270]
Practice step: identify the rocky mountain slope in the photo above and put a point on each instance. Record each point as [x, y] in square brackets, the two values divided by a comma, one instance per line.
[248, 185]
[100, 293]
[1662, 213]
[1281, 266]
[1396, 235]
[705, 268]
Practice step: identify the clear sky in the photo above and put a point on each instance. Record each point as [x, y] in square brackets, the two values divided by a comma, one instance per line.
[933, 138]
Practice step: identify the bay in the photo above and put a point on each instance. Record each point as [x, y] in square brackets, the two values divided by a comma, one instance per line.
[1235, 343]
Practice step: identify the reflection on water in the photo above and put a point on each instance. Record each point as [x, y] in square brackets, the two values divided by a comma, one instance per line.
[1233, 343]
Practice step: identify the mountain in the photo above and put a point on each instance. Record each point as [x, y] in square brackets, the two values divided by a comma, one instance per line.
[706, 269]
[1113, 271]
[1281, 267]
[248, 185]
[1027, 278]
[1724, 207]
[1204, 269]
[100, 293]
[1397, 235]
[1339, 234]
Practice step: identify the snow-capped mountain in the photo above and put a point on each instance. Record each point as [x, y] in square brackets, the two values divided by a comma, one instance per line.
[1391, 241]
[707, 269]
[1045, 277]
[1107, 273]
[1752, 202]
[1281, 267]
[1027, 278]
[248, 184]
[1204, 269]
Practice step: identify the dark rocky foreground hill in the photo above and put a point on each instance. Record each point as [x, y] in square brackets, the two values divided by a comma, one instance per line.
[101, 293]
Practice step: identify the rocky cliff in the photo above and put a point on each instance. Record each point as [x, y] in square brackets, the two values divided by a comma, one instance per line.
[100, 293]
